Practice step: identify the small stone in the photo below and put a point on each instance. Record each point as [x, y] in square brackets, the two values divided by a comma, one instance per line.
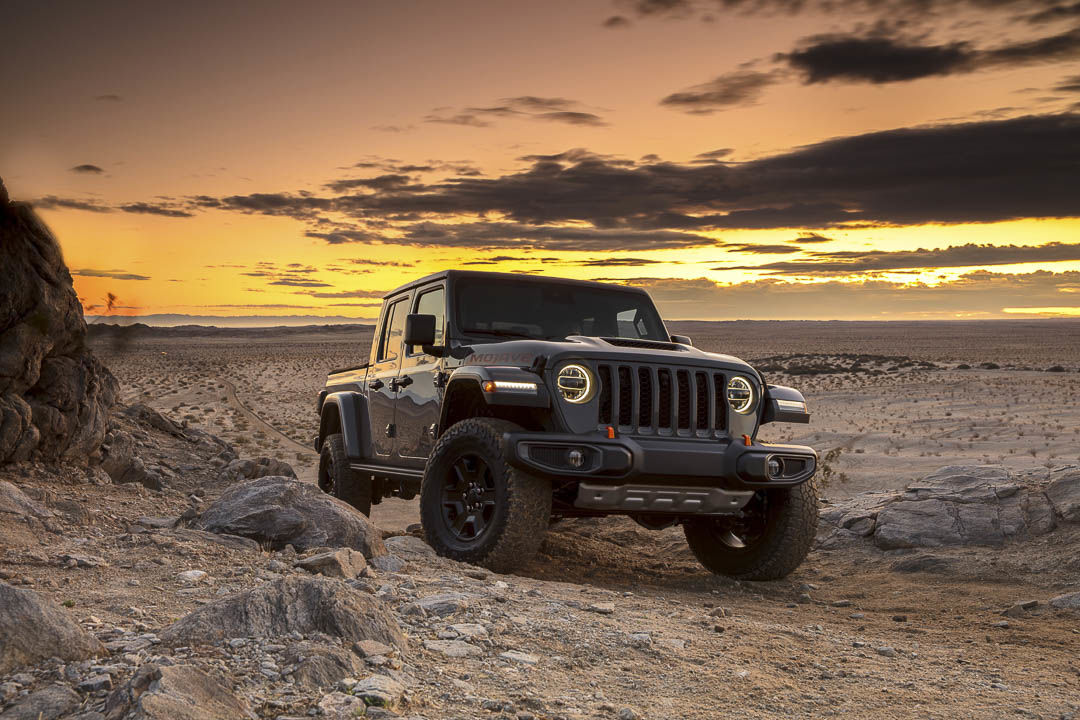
[899, 618]
[519, 657]
[191, 577]
[640, 640]
[804, 598]
[443, 604]
[718, 612]
[857, 616]
[94, 683]
[452, 648]
[604, 608]
[1069, 601]
[628, 714]
[886, 651]
[1004, 624]
[371, 648]
[998, 686]
[841, 603]
[469, 631]
[379, 690]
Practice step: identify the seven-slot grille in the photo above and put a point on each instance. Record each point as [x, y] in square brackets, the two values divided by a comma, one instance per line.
[662, 400]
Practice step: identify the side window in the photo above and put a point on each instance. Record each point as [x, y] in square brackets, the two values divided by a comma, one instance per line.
[433, 302]
[393, 331]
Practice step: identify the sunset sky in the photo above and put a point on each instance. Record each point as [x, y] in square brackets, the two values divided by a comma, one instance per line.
[762, 159]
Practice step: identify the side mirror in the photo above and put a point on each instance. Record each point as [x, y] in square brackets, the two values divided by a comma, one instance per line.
[419, 330]
[682, 340]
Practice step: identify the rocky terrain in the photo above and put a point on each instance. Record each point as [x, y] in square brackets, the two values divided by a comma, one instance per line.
[152, 568]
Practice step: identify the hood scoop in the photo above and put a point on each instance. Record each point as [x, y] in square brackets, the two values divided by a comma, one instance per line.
[644, 344]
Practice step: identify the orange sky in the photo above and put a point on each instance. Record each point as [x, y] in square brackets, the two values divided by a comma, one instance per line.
[196, 160]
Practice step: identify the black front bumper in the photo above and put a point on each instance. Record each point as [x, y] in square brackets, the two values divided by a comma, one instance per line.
[661, 461]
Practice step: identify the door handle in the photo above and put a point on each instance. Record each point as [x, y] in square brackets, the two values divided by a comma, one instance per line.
[401, 382]
[375, 384]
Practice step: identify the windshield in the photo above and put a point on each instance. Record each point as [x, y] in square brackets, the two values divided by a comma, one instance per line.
[552, 311]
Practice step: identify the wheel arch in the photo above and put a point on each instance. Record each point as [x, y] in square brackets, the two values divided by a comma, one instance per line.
[346, 412]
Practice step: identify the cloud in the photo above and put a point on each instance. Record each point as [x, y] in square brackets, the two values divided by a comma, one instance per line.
[87, 169]
[525, 107]
[111, 274]
[977, 294]
[382, 182]
[762, 249]
[713, 155]
[1054, 13]
[347, 294]
[393, 128]
[51, 202]
[875, 60]
[143, 208]
[616, 21]
[297, 282]
[850, 262]
[975, 172]
[738, 88]
[1071, 84]
[810, 238]
[381, 263]
[880, 59]
[108, 98]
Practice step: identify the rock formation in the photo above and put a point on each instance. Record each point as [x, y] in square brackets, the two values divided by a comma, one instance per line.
[33, 628]
[54, 395]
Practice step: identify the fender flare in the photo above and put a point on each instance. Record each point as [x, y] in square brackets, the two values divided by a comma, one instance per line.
[348, 410]
[477, 375]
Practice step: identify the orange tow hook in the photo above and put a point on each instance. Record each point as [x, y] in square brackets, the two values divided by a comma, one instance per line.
[747, 441]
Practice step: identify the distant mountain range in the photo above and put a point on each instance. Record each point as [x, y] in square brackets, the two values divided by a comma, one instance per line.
[226, 321]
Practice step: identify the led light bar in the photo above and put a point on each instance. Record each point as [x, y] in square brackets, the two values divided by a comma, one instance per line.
[508, 386]
[791, 405]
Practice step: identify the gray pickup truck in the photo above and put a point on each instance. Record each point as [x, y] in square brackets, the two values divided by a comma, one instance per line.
[507, 402]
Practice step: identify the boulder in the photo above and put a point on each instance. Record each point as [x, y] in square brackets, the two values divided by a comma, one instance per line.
[14, 501]
[122, 465]
[34, 628]
[250, 469]
[294, 604]
[280, 511]
[55, 397]
[175, 692]
[321, 666]
[1064, 493]
[1068, 601]
[49, 703]
[958, 505]
[344, 563]
[340, 706]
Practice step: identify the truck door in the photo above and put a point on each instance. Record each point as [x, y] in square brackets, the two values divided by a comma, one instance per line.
[382, 377]
[420, 387]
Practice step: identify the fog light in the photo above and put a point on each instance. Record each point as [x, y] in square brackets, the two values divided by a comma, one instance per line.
[575, 458]
[776, 467]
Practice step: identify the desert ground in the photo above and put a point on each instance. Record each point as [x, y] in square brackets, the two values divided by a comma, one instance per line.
[890, 401]
[609, 620]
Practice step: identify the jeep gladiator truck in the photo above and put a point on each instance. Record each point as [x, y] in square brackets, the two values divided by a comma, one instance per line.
[507, 402]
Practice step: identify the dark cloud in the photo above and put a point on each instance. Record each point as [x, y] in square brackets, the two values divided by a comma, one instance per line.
[622, 262]
[572, 118]
[810, 238]
[741, 87]
[142, 208]
[880, 59]
[875, 60]
[1054, 13]
[111, 274]
[108, 98]
[346, 294]
[393, 128]
[972, 172]
[381, 263]
[526, 107]
[51, 202]
[1071, 84]
[714, 155]
[762, 249]
[616, 21]
[977, 294]
[87, 169]
[297, 282]
[851, 262]
[382, 182]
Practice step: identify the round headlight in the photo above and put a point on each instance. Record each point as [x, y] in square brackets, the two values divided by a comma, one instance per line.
[740, 394]
[575, 383]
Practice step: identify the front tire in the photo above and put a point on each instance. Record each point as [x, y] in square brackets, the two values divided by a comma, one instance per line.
[475, 507]
[337, 478]
[767, 542]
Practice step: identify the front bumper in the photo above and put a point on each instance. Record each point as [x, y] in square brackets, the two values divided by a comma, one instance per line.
[662, 462]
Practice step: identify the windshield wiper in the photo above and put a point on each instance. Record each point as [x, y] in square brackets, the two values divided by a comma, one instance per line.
[500, 333]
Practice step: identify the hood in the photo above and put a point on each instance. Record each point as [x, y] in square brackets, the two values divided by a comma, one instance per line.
[523, 353]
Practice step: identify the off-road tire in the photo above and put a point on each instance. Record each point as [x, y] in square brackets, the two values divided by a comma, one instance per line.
[338, 479]
[522, 501]
[791, 524]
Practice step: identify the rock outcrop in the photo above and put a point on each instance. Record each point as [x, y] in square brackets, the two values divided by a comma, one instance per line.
[280, 511]
[958, 505]
[175, 692]
[33, 628]
[304, 605]
[252, 468]
[55, 396]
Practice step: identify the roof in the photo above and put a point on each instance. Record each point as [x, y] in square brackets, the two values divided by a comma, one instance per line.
[515, 277]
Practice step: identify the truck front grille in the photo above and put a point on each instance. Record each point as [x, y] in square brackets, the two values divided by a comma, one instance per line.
[662, 400]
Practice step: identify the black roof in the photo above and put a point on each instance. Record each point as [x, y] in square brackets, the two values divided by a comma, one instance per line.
[515, 277]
